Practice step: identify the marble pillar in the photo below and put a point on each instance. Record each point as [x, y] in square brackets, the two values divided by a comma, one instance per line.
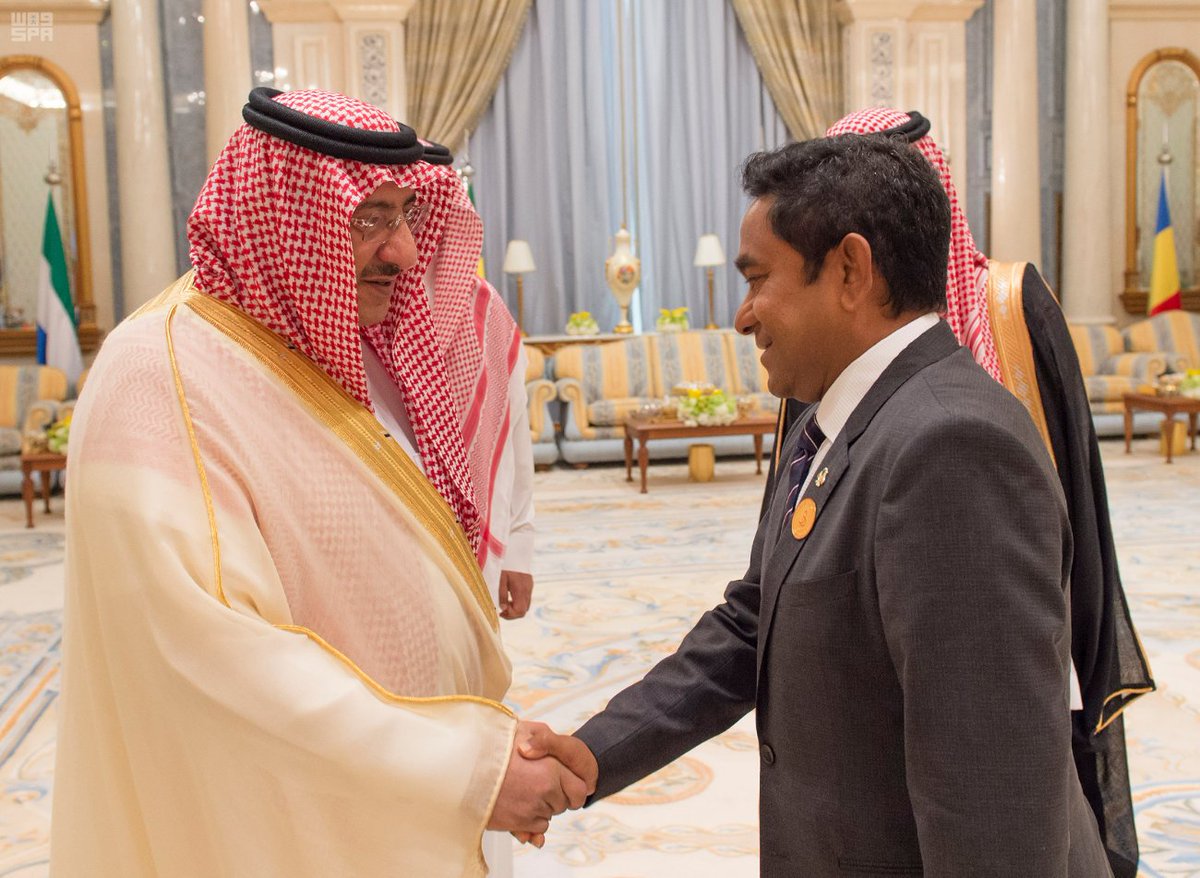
[1086, 274]
[345, 45]
[1016, 228]
[912, 56]
[227, 78]
[143, 179]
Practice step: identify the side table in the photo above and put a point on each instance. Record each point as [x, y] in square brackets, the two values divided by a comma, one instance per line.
[643, 430]
[44, 462]
[1169, 406]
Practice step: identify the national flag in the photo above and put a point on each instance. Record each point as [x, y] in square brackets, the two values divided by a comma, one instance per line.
[1165, 289]
[57, 336]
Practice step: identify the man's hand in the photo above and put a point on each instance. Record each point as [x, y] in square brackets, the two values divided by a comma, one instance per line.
[534, 790]
[516, 593]
[537, 740]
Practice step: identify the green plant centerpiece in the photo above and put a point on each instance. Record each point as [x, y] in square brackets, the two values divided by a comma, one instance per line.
[706, 408]
[1189, 384]
[57, 435]
[582, 323]
[671, 320]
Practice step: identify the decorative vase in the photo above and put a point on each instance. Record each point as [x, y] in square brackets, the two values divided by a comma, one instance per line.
[623, 271]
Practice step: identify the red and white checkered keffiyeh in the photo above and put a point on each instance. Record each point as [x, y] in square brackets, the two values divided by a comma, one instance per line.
[966, 276]
[479, 340]
[270, 234]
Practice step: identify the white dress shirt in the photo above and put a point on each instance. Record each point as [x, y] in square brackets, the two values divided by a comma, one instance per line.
[388, 400]
[849, 388]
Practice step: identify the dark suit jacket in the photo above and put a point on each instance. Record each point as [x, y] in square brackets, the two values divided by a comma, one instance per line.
[908, 659]
[1108, 655]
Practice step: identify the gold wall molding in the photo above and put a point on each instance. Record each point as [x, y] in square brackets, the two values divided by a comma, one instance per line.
[1154, 10]
[298, 11]
[64, 11]
[16, 340]
[1134, 297]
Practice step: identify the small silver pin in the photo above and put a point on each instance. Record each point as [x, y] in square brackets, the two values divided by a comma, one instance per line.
[822, 475]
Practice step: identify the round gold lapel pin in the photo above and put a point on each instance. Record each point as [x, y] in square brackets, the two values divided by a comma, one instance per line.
[804, 517]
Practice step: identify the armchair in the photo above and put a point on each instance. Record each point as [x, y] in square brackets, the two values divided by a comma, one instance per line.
[30, 397]
[541, 393]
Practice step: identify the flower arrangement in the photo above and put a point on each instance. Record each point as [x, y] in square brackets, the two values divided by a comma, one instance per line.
[57, 435]
[671, 320]
[1189, 385]
[706, 408]
[582, 323]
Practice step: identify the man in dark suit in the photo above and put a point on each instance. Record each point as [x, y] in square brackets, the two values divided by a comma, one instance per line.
[1106, 653]
[902, 627]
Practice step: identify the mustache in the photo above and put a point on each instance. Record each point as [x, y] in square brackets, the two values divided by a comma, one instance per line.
[377, 271]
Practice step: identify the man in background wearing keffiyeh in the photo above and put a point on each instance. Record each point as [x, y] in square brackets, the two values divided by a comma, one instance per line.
[280, 654]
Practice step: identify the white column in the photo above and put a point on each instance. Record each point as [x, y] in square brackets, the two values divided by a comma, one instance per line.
[227, 77]
[912, 56]
[373, 47]
[352, 46]
[143, 179]
[1016, 225]
[1086, 273]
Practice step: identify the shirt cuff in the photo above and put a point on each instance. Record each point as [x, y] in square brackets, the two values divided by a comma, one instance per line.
[518, 554]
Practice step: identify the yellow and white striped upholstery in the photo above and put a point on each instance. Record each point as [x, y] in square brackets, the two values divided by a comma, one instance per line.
[1174, 331]
[1115, 363]
[749, 376]
[21, 386]
[535, 363]
[540, 392]
[1094, 345]
[611, 370]
[686, 357]
[604, 382]
[29, 401]
[1105, 391]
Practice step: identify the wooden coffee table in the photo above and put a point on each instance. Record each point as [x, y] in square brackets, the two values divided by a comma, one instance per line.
[646, 429]
[1169, 406]
[44, 462]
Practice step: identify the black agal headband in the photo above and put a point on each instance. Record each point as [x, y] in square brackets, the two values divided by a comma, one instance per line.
[401, 147]
[913, 130]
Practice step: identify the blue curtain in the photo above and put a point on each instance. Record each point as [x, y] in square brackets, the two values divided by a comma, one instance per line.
[702, 109]
[547, 154]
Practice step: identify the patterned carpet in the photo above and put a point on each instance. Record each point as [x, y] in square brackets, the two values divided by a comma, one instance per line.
[620, 577]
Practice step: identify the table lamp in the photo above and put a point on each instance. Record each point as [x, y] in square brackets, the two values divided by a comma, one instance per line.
[518, 259]
[709, 255]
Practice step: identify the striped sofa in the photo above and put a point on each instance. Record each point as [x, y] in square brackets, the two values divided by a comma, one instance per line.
[601, 384]
[1117, 362]
[1175, 332]
[541, 393]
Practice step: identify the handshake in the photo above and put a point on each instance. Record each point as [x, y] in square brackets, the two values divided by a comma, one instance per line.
[547, 774]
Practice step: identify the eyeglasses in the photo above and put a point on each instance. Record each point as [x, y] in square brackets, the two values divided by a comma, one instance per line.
[377, 226]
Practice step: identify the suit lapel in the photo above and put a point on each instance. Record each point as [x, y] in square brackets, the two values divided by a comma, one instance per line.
[781, 548]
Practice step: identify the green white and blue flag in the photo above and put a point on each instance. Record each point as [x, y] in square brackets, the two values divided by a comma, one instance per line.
[57, 334]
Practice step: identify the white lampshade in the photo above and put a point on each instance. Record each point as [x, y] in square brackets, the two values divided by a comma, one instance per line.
[518, 259]
[708, 252]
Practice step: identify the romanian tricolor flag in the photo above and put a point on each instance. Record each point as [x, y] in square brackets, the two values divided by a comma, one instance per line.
[1165, 293]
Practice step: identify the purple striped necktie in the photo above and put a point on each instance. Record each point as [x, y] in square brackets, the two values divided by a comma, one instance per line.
[810, 441]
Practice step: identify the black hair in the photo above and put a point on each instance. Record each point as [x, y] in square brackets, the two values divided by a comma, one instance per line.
[875, 185]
